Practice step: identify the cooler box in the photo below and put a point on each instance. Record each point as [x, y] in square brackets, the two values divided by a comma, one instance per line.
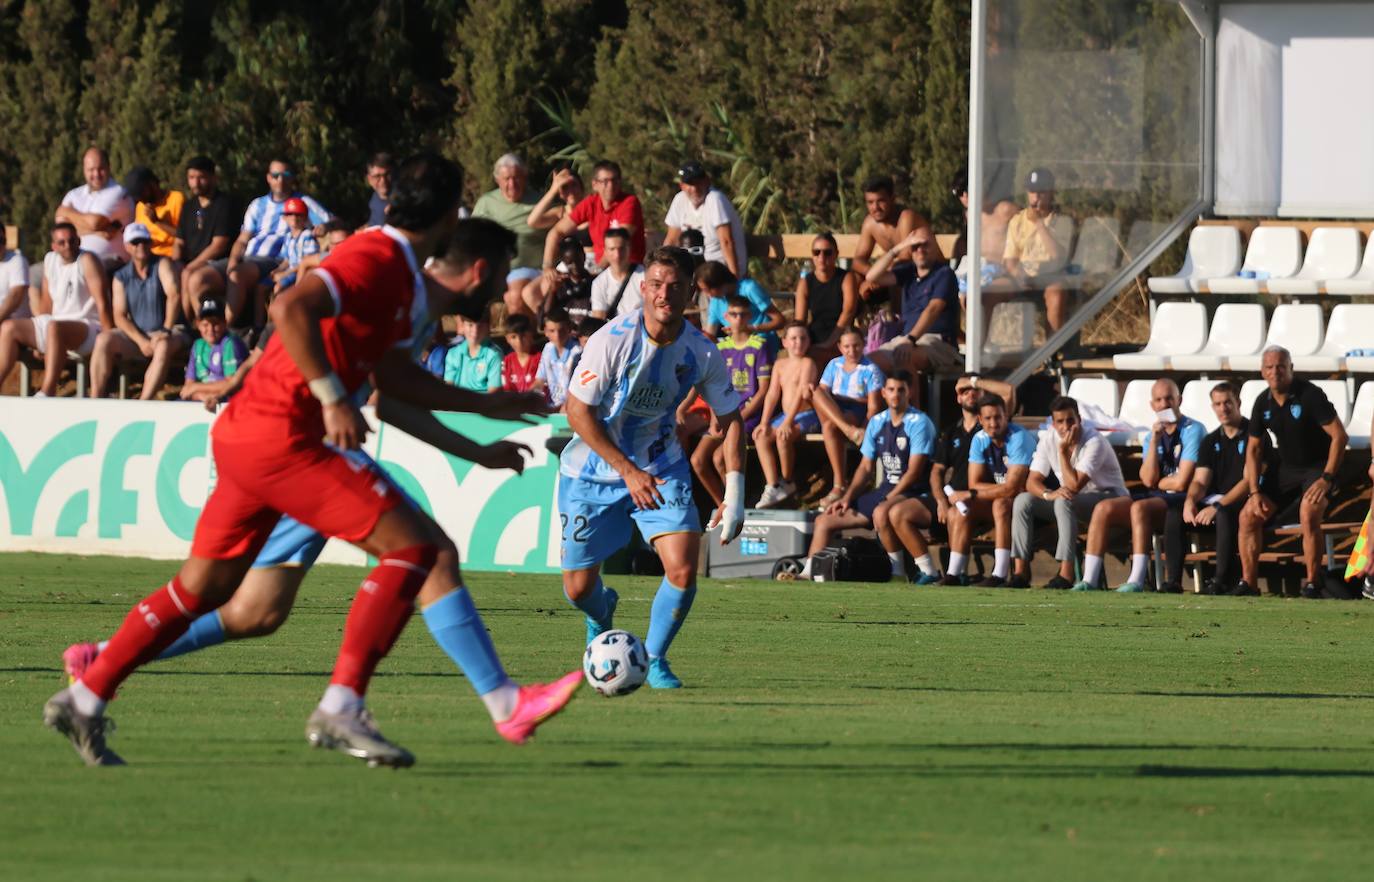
[769, 535]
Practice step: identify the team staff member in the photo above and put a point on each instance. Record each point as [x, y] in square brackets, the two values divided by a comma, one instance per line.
[1216, 495]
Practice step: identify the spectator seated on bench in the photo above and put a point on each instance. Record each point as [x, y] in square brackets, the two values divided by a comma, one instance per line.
[1216, 495]
[847, 397]
[787, 416]
[217, 356]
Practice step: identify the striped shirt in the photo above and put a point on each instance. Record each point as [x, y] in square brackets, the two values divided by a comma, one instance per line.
[555, 370]
[855, 384]
[265, 223]
[635, 385]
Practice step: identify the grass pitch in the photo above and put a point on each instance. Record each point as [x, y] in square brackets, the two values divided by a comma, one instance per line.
[836, 732]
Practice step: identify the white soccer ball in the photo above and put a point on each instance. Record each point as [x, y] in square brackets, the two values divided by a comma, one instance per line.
[615, 663]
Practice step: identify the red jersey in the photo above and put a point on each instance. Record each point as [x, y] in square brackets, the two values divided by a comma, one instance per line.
[625, 211]
[516, 377]
[379, 303]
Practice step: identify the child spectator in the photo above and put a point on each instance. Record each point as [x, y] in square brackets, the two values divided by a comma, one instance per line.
[849, 395]
[786, 416]
[555, 362]
[473, 362]
[717, 283]
[521, 365]
[751, 368]
[216, 356]
[573, 291]
[584, 330]
[299, 244]
[335, 232]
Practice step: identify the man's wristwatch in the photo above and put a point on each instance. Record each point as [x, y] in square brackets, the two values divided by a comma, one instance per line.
[911, 338]
[1328, 477]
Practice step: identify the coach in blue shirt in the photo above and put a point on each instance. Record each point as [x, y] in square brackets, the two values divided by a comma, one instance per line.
[930, 307]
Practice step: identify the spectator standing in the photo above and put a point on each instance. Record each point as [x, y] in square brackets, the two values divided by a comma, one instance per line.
[1088, 473]
[473, 362]
[827, 298]
[300, 244]
[616, 290]
[146, 309]
[73, 307]
[261, 241]
[209, 222]
[1297, 445]
[520, 367]
[607, 207]
[700, 206]
[929, 307]
[1216, 495]
[1038, 240]
[886, 226]
[218, 355]
[98, 209]
[379, 169]
[555, 362]
[158, 210]
[14, 283]
[510, 205]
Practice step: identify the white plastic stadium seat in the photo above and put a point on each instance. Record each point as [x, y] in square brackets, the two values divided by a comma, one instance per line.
[1360, 283]
[1177, 328]
[1135, 404]
[1212, 251]
[1351, 327]
[1100, 391]
[1339, 393]
[1274, 253]
[1237, 329]
[1361, 416]
[1297, 327]
[1197, 402]
[1248, 393]
[1097, 253]
[1332, 253]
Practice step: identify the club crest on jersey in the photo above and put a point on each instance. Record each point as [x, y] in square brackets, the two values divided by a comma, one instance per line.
[901, 442]
[1295, 410]
[1240, 448]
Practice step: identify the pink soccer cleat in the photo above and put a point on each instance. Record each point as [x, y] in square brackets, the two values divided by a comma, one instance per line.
[536, 704]
[77, 659]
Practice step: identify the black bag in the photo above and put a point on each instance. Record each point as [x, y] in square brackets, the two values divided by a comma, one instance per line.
[852, 559]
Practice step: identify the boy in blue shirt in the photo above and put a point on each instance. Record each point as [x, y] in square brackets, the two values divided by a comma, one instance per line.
[473, 362]
[999, 459]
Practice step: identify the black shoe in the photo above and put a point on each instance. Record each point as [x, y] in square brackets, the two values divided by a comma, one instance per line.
[992, 582]
[1214, 588]
[1310, 591]
[1244, 589]
[1368, 589]
[959, 581]
[1059, 583]
[1171, 588]
[1018, 582]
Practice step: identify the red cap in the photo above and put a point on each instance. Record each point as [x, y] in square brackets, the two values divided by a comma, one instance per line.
[295, 206]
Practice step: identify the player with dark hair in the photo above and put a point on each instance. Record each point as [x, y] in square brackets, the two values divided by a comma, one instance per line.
[362, 312]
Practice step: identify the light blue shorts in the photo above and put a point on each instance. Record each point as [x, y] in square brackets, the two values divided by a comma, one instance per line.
[522, 273]
[597, 517]
[806, 422]
[293, 544]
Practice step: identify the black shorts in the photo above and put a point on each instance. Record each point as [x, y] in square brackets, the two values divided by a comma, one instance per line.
[1172, 498]
[866, 504]
[1285, 487]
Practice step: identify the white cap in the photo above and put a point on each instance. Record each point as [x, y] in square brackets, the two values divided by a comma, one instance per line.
[134, 232]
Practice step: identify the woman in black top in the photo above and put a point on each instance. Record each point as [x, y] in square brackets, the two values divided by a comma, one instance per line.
[827, 299]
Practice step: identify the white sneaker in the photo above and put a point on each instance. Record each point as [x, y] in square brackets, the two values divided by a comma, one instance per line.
[775, 493]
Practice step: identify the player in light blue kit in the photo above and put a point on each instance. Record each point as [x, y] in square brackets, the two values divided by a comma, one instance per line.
[624, 467]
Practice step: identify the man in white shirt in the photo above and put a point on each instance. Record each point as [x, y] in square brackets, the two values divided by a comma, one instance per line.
[72, 310]
[1088, 472]
[98, 209]
[615, 291]
[14, 283]
[699, 206]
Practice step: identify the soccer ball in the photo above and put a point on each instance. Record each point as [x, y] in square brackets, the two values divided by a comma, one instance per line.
[615, 663]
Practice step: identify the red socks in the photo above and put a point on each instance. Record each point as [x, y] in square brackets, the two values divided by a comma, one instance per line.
[151, 626]
[379, 613]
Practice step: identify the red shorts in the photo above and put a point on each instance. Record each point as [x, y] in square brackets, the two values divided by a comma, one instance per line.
[258, 483]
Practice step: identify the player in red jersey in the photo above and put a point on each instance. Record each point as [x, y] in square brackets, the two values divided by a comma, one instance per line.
[355, 317]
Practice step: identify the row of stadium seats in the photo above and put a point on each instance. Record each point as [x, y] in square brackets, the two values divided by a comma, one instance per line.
[1274, 263]
[1180, 339]
[1133, 405]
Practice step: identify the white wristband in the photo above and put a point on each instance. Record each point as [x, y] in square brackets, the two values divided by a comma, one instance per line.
[329, 389]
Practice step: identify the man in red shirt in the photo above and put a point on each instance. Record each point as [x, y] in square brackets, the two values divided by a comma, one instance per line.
[607, 207]
[278, 450]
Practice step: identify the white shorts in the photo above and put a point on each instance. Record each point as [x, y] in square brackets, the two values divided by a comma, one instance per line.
[40, 333]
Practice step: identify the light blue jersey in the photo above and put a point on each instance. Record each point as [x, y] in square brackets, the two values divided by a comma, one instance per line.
[266, 224]
[1017, 449]
[1179, 446]
[855, 384]
[635, 386]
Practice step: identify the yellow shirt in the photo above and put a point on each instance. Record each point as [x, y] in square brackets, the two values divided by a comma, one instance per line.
[168, 211]
[1024, 243]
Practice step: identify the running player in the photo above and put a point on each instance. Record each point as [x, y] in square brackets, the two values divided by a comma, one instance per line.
[358, 315]
[624, 463]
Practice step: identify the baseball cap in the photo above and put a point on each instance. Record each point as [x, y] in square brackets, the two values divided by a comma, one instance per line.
[138, 177]
[135, 231]
[295, 205]
[211, 308]
[691, 170]
[1038, 180]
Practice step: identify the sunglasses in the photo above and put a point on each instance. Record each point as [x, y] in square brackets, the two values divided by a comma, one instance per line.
[822, 252]
[280, 175]
[138, 242]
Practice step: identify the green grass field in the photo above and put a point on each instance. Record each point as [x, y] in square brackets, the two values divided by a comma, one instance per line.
[831, 732]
